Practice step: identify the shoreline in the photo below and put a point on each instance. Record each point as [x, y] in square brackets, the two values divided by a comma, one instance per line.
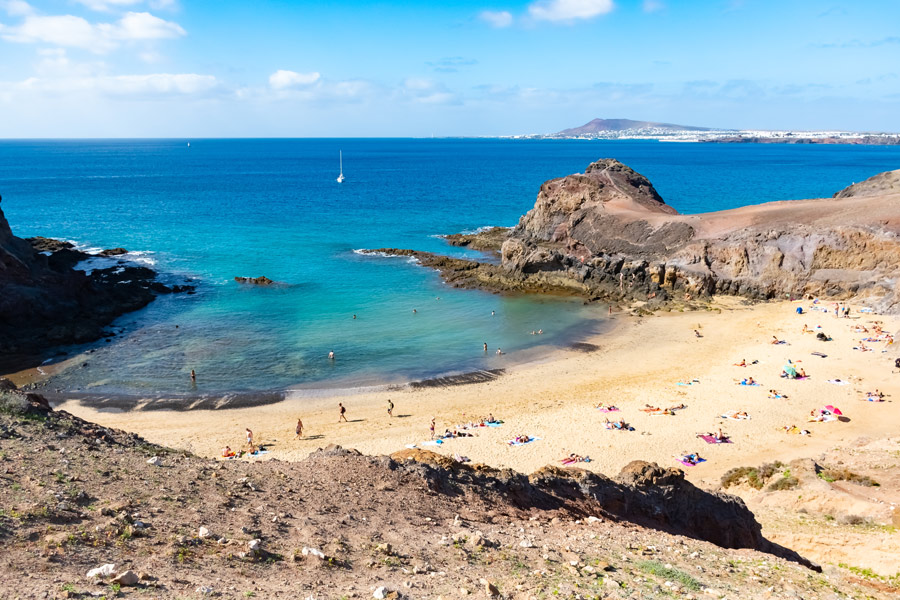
[554, 400]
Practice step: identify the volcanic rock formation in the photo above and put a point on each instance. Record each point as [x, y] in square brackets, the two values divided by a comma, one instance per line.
[44, 302]
[607, 234]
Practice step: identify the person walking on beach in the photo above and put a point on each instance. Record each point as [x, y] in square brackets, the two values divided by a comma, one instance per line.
[432, 427]
[250, 439]
[299, 428]
[343, 416]
[390, 408]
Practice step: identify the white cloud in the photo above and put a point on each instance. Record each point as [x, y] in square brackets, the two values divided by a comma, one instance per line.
[569, 10]
[76, 32]
[16, 8]
[496, 18]
[425, 91]
[107, 5]
[652, 6]
[133, 86]
[285, 80]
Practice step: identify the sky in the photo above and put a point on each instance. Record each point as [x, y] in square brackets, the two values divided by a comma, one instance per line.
[269, 68]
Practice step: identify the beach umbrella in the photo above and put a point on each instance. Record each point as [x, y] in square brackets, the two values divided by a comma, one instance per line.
[834, 410]
[790, 370]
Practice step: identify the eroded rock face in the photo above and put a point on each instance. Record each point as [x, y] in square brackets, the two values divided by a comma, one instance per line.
[607, 234]
[46, 303]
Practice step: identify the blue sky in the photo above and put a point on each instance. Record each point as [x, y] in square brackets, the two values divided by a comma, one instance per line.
[182, 68]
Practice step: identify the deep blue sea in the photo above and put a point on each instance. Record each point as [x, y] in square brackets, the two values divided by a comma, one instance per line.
[221, 208]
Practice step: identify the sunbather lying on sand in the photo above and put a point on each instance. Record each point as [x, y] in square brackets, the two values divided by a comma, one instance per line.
[718, 435]
[573, 458]
[737, 415]
[620, 425]
[775, 395]
[743, 363]
[875, 396]
[748, 381]
[677, 407]
[521, 439]
[795, 430]
[607, 407]
[691, 458]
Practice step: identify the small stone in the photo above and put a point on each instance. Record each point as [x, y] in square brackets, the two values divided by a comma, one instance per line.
[205, 590]
[127, 579]
[102, 571]
[380, 593]
[526, 543]
[384, 548]
[253, 545]
[203, 532]
[490, 588]
[463, 592]
[155, 461]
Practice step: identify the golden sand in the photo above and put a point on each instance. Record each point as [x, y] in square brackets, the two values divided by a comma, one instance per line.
[640, 362]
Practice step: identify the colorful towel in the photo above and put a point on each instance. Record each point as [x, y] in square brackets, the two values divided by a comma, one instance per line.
[494, 424]
[689, 464]
[736, 417]
[605, 409]
[749, 384]
[711, 439]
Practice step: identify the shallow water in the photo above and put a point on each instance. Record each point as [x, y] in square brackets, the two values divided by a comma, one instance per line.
[222, 208]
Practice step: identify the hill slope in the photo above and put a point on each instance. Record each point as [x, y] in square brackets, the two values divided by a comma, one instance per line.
[603, 125]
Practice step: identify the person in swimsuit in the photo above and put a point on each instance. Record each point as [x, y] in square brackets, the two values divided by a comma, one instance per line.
[343, 416]
[390, 408]
[299, 429]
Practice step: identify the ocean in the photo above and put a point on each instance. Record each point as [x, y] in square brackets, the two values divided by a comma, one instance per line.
[216, 209]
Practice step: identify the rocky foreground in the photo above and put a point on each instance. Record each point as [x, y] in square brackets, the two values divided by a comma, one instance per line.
[45, 302]
[606, 234]
[88, 511]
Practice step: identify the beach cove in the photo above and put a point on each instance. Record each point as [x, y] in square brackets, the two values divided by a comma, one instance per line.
[555, 399]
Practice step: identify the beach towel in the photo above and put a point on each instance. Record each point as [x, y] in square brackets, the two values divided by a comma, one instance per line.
[749, 384]
[257, 453]
[515, 443]
[736, 417]
[433, 443]
[819, 354]
[410, 446]
[838, 382]
[711, 439]
[826, 419]
[606, 409]
[689, 464]
[494, 424]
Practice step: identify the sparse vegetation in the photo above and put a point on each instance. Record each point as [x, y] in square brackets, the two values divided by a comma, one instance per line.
[836, 474]
[654, 567]
[755, 477]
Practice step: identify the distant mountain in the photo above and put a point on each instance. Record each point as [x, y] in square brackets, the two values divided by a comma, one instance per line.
[603, 125]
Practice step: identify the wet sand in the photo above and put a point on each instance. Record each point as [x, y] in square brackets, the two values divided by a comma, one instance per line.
[640, 362]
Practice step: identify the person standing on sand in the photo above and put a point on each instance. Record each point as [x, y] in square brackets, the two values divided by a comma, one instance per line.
[432, 427]
[343, 416]
[249, 438]
[299, 429]
[390, 408]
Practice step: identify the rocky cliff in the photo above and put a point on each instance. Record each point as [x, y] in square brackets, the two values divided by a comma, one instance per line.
[45, 302]
[609, 231]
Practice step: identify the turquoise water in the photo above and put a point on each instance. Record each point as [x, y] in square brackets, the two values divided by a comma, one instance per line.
[222, 208]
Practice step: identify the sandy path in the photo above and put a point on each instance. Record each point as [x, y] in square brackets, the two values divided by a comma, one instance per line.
[640, 362]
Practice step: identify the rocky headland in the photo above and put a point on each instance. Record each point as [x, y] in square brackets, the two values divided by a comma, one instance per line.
[45, 302]
[606, 234]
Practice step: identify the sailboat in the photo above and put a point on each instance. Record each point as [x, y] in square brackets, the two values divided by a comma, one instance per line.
[340, 178]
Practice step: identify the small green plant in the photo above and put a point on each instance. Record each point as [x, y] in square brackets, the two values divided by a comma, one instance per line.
[832, 475]
[114, 589]
[67, 587]
[654, 567]
[249, 594]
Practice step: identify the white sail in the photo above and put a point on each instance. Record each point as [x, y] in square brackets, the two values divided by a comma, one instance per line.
[340, 178]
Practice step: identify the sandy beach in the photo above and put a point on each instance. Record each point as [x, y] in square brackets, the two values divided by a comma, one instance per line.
[640, 362]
